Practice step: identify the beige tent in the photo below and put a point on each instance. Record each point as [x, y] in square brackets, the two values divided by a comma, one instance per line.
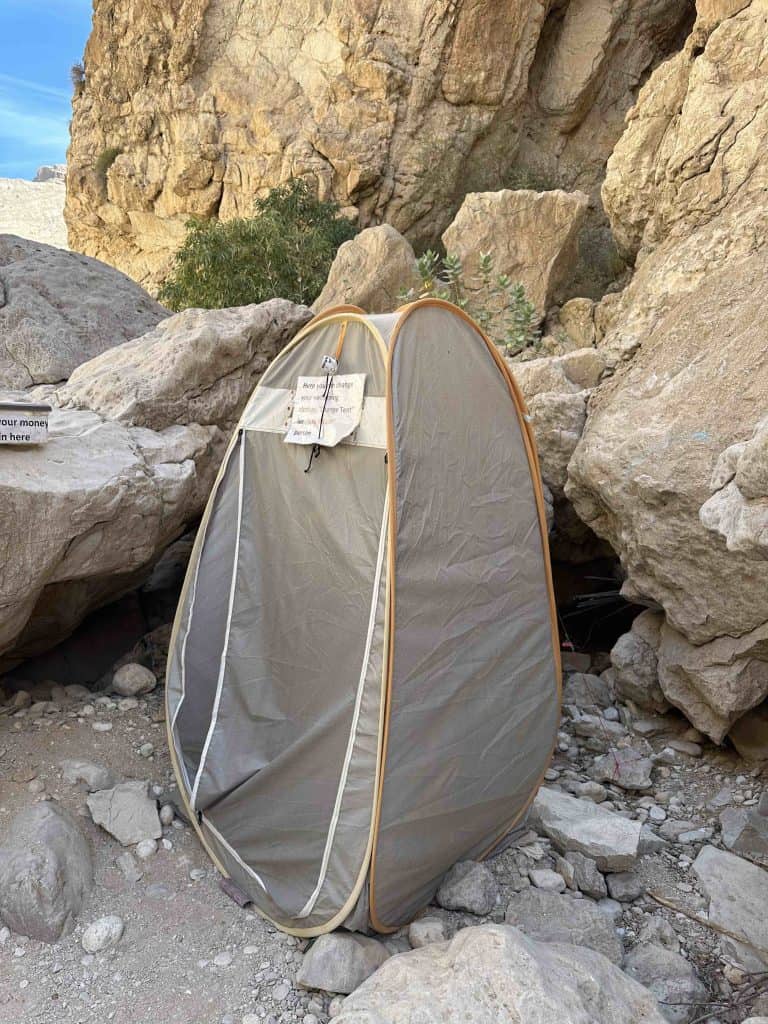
[363, 682]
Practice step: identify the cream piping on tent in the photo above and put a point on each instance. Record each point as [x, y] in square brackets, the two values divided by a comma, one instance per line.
[343, 316]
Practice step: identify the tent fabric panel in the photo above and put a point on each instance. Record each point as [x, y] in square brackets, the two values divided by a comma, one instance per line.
[473, 702]
[360, 354]
[308, 556]
[194, 661]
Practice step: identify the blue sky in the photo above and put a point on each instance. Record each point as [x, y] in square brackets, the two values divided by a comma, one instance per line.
[40, 40]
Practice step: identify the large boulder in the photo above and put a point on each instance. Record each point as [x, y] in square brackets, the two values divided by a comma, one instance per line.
[658, 471]
[582, 826]
[371, 271]
[532, 236]
[495, 973]
[59, 309]
[129, 464]
[45, 872]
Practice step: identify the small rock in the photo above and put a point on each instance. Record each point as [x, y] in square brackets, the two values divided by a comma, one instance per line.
[102, 726]
[95, 776]
[102, 934]
[129, 867]
[625, 767]
[340, 962]
[625, 886]
[127, 812]
[197, 874]
[167, 814]
[592, 791]
[223, 959]
[686, 747]
[745, 831]
[546, 879]
[20, 700]
[586, 877]
[581, 826]
[131, 680]
[469, 886]
[427, 930]
[146, 848]
[146, 749]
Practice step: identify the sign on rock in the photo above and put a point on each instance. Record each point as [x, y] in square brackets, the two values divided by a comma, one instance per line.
[23, 423]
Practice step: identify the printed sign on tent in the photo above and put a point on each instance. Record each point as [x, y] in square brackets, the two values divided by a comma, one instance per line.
[326, 409]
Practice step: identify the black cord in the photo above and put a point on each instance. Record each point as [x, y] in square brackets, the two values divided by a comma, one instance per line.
[316, 447]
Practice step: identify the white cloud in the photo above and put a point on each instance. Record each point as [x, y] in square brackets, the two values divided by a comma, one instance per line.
[25, 85]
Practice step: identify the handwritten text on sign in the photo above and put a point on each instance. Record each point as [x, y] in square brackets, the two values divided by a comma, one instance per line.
[326, 409]
[23, 426]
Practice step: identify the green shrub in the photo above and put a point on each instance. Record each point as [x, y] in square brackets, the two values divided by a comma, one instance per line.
[285, 249]
[104, 161]
[498, 304]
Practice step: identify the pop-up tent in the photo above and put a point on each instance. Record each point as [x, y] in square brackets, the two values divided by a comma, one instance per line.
[363, 681]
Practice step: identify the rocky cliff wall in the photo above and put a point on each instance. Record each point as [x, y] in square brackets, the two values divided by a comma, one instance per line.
[396, 109]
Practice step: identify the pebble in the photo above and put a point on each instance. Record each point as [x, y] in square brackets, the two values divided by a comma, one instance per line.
[657, 814]
[127, 704]
[36, 786]
[146, 849]
[102, 726]
[166, 844]
[197, 874]
[102, 934]
[222, 959]
[167, 814]
[147, 749]
[5, 934]
[546, 879]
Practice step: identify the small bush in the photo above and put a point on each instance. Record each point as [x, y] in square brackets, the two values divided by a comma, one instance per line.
[77, 77]
[104, 161]
[498, 304]
[285, 249]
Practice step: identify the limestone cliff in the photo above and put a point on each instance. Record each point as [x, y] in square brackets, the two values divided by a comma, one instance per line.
[396, 109]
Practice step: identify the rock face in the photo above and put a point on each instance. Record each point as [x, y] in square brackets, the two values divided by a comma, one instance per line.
[370, 271]
[59, 309]
[397, 111]
[45, 872]
[125, 471]
[496, 973]
[505, 224]
[658, 471]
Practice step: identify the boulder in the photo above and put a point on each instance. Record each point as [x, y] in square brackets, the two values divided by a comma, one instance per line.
[340, 961]
[738, 896]
[532, 236]
[582, 826]
[89, 513]
[659, 462]
[634, 659]
[625, 886]
[496, 973]
[371, 271]
[45, 872]
[59, 309]
[469, 886]
[127, 812]
[551, 917]
[678, 989]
